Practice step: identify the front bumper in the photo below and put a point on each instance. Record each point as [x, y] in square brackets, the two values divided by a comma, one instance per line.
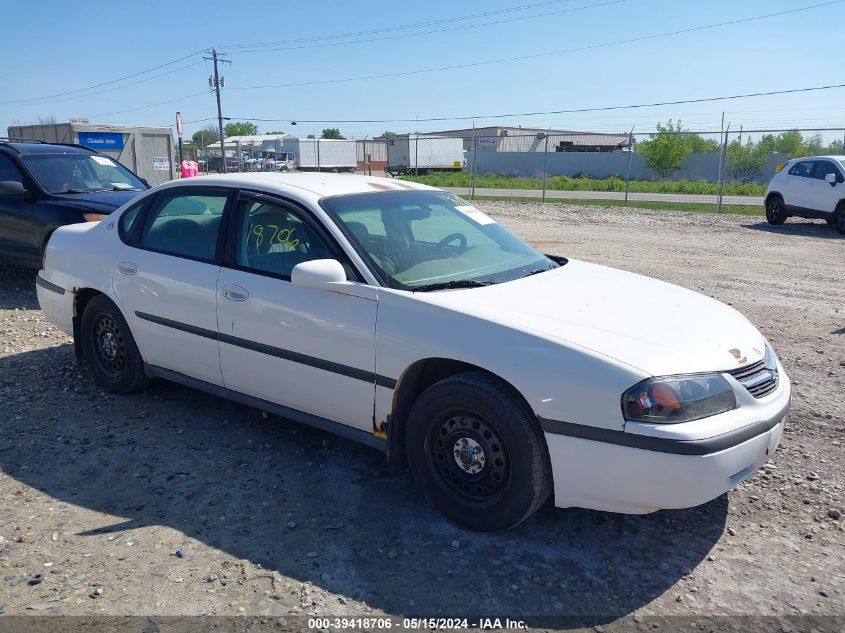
[621, 471]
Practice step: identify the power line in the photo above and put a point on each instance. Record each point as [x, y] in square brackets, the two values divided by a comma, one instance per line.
[547, 112]
[430, 32]
[109, 90]
[545, 54]
[152, 105]
[401, 27]
[105, 83]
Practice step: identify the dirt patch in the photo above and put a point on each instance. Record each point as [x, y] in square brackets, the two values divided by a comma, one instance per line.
[169, 501]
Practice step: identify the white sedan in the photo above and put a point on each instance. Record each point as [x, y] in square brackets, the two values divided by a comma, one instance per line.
[402, 316]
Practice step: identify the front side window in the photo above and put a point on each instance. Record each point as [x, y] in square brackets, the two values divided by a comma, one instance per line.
[823, 168]
[273, 239]
[81, 173]
[185, 225]
[428, 240]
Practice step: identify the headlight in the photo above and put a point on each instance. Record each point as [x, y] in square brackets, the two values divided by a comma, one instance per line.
[677, 399]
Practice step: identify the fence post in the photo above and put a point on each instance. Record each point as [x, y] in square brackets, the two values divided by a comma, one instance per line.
[723, 167]
[317, 144]
[721, 155]
[628, 174]
[472, 168]
[545, 163]
[417, 156]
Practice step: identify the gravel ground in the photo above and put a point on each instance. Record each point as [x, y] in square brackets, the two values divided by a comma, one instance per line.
[170, 502]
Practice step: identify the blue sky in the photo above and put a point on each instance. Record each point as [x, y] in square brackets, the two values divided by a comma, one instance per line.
[60, 47]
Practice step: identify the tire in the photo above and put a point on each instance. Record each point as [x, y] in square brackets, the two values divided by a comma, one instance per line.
[109, 348]
[477, 454]
[775, 210]
[839, 218]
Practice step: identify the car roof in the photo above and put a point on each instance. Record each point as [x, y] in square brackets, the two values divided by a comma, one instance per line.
[320, 184]
[839, 157]
[47, 148]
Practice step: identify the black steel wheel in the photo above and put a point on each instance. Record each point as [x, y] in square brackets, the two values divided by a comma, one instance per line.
[470, 458]
[775, 210]
[109, 347]
[477, 453]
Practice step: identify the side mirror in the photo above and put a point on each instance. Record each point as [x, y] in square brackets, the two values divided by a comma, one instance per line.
[12, 189]
[318, 274]
[831, 179]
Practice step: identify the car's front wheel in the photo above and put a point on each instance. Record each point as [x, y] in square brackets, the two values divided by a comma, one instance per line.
[109, 347]
[775, 210]
[477, 453]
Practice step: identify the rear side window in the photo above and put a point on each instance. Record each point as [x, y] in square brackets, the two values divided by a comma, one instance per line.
[185, 225]
[8, 170]
[801, 168]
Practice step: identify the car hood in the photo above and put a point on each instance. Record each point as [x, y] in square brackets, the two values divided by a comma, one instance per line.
[654, 326]
[100, 201]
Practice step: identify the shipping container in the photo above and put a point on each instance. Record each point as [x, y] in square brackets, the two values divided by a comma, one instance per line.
[322, 154]
[423, 154]
[148, 151]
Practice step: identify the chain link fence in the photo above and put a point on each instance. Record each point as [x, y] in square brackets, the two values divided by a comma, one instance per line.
[670, 165]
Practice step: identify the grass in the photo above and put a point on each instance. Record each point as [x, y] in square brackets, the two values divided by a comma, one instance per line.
[692, 207]
[565, 183]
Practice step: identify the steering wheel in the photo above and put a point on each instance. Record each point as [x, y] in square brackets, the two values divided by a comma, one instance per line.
[462, 240]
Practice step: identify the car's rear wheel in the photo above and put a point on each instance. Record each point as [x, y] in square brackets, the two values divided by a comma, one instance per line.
[477, 454]
[109, 348]
[839, 218]
[775, 210]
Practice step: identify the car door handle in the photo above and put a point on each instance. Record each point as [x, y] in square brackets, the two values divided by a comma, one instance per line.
[127, 268]
[235, 293]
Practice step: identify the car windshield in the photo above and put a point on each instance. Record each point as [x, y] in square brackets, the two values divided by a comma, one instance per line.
[78, 173]
[433, 240]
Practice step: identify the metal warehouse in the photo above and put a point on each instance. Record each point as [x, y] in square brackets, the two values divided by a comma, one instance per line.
[529, 139]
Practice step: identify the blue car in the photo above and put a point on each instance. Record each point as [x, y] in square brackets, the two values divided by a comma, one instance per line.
[44, 186]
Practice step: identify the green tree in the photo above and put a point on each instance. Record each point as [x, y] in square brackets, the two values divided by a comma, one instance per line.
[202, 138]
[790, 143]
[700, 145]
[310, 136]
[240, 128]
[331, 132]
[743, 162]
[387, 134]
[666, 150]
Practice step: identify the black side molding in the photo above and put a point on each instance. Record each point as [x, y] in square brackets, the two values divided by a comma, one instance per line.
[662, 444]
[323, 424]
[40, 281]
[262, 348]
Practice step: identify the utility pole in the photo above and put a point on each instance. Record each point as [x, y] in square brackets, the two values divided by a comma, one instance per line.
[216, 83]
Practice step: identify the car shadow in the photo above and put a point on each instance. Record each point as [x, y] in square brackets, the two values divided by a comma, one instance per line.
[238, 481]
[17, 288]
[806, 228]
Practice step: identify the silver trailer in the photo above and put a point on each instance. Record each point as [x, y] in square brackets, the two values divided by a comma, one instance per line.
[423, 154]
[322, 154]
[148, 151]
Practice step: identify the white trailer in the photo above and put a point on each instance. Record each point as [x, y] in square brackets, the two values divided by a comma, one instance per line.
[423, 154]
[322, 154]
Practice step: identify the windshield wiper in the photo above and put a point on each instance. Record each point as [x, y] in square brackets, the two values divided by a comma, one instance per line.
[449, 285]
[537, 271]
